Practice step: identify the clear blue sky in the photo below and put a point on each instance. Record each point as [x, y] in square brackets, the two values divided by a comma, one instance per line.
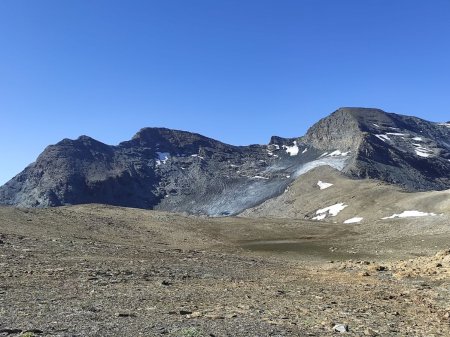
[235, 70]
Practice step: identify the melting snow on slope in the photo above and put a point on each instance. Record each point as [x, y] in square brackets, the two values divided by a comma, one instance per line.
[337, 153]
[292, 150]
[409, 214]
[330, 210]
[417, 139]
[353, 220]
[304, 151]
[384, 138]
[335, 162]
[422, 151]
[397, 134]
[322, 185]
[163, 157]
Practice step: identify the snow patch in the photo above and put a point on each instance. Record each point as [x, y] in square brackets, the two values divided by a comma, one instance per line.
[292, 150]
[163, 157]
[397, 134]
[330, 210]
[418, 139]
[422, 154]
[338, 153]
[384, 138]
[196, 155]
[376, 125]
[335, 162]
[260, 177]
[353, 220]
[304, 151]
[423, 151]
[322, 185]
[408, 214]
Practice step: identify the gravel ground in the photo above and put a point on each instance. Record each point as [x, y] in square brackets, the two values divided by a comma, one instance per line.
[108, 271]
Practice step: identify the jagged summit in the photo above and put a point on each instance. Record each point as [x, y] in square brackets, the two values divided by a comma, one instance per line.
[181, 171]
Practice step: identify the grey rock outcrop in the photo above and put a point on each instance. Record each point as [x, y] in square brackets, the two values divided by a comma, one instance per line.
[186, 172]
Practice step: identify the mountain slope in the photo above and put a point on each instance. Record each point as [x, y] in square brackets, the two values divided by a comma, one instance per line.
[402, 150]
[186, 172]
[362, 201]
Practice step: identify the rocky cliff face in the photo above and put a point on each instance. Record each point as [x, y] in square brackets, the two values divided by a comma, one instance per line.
[181, 171]
[402, 150]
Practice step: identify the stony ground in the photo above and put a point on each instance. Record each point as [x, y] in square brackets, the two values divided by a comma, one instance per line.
[106, 271]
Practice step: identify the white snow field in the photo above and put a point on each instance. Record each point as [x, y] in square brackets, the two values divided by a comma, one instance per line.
[332, 210]
[409, 214]
[353, 220]
[323, 185]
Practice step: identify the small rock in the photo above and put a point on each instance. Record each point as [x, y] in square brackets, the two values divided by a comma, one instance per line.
[342, 328]
[443, 253]
[370, 332]
[162, 330]
[195, 314]
[10, 331]
[185, 312]
[364, 273]
[231, 315]
[439, 265]
[166, 283]
[125, 314]
[37, 331]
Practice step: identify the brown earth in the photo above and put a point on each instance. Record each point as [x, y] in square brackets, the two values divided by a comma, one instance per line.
[107, 271]
[367, 198]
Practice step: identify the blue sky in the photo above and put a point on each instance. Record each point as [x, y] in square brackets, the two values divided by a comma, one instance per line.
[235, 70]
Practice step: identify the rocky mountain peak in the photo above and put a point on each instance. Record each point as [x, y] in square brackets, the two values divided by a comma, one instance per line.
[182, 171]
[169, 140]
[340, 130]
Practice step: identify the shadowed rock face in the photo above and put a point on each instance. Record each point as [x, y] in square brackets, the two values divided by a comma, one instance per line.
[182, 171]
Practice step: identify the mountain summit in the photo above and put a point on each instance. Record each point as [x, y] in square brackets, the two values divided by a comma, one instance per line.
[182, 171]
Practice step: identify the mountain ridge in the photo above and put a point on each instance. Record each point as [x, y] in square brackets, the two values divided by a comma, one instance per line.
[180, 171]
